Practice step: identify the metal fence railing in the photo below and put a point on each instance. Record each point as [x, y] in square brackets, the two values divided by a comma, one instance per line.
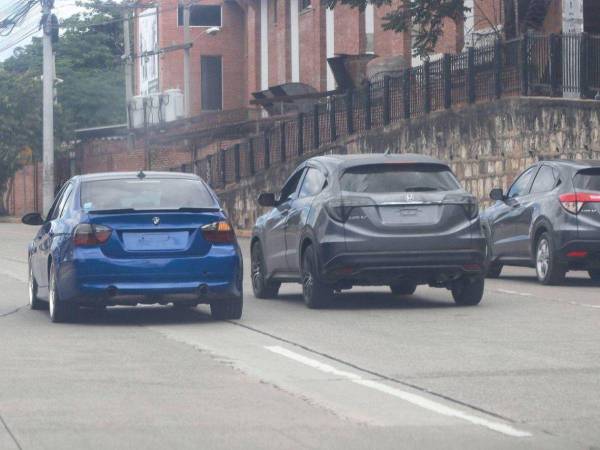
[540, 65]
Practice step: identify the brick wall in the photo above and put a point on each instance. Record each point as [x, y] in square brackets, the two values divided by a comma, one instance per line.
[229, 43]
[390, 43]
[311, 26]
[349, 30]
[23, 192]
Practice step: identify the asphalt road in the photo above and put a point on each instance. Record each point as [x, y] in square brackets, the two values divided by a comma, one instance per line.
[522, 370]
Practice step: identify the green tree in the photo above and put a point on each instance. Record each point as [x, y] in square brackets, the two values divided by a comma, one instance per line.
[423, 18]
[90, 91]
[91, 86]
[20, 124]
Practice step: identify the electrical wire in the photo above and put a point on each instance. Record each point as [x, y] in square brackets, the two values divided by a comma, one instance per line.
[22, 38]
[132, 18]
[16, 16]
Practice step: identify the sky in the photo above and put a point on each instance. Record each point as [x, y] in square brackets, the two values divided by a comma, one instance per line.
[22, 35]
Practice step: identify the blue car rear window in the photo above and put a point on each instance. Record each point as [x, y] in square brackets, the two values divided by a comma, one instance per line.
[145, 194]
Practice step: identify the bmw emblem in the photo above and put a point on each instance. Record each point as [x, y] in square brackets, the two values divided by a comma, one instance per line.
[156, 220]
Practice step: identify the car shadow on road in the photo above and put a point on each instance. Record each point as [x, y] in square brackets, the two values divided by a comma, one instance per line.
[373, 300]
[153, 315]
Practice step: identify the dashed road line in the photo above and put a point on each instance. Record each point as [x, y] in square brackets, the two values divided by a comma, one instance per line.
[10, 433]
[415, 399]
[557, 300]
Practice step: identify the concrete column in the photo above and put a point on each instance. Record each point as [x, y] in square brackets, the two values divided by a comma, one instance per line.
[572, 16]
[370, 28]
[330, 45]
[295, 41]
[469, 27]
[264, 44]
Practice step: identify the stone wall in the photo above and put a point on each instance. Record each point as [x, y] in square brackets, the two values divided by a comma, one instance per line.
[487, 145]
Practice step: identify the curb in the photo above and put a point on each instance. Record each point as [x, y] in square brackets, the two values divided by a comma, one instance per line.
[10, 219]
[243, 233]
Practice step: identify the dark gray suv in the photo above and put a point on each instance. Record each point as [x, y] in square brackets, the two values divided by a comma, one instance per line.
[548, 219]
[342, 221]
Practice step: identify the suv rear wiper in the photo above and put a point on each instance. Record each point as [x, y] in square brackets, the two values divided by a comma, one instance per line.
[420, 189]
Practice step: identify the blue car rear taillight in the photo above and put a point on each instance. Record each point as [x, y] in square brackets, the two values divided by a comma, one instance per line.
[86, 234]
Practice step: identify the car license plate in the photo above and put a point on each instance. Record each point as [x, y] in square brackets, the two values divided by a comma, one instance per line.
[176, 240]
[408, 215]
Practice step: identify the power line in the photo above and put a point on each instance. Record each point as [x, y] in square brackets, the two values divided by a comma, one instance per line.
[17, 16]
[20, 39]
[131, 19]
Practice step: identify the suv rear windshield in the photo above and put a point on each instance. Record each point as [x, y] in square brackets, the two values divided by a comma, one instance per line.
[587, 180]
[149, 193]
[380, 178]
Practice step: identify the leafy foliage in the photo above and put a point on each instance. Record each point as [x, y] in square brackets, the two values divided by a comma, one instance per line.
[424, 19]
[20, 125]
[90, 88]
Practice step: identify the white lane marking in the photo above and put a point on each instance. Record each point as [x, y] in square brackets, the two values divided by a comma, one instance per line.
[587, 305]
[415, 399]
[508, 291]
[527, 294]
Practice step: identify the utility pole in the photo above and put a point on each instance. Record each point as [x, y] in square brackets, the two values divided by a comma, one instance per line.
[128, 72]
[48, 185]
[186, 59]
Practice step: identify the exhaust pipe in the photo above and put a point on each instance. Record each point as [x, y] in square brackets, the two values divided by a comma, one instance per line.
[112, 291]
[203, 290]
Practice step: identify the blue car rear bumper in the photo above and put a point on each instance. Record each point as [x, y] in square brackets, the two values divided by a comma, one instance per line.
[89, 276]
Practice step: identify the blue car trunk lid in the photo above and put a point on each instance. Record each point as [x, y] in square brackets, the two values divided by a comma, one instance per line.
[148, 234]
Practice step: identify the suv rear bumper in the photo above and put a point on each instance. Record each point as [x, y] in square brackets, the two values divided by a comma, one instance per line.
[570, 252]
[390, 267]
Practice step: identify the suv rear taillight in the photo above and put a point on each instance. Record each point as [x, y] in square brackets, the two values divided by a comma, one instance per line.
[573, 202]
[472, 209]
[86, 234]
[218, 233]
[340, 208]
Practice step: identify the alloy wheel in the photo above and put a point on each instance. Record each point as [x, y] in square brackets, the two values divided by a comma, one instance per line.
[52, 297]
[307, 283]
[31, 289]
[543, 258]
[257, 276]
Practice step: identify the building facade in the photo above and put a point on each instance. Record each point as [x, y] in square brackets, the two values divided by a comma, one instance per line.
[241, 47]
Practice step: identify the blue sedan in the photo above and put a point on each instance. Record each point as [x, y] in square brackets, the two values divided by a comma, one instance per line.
[128, 238]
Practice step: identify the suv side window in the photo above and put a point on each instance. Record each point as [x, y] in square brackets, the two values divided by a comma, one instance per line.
[290, 187]
[519, 187]
[544, 180]
[312, 184]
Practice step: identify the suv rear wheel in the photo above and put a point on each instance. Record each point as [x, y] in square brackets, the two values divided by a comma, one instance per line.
[492, 268]
[261, 287]
[403, 288]
[468, 291]
[315, 293]
[549, 270]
